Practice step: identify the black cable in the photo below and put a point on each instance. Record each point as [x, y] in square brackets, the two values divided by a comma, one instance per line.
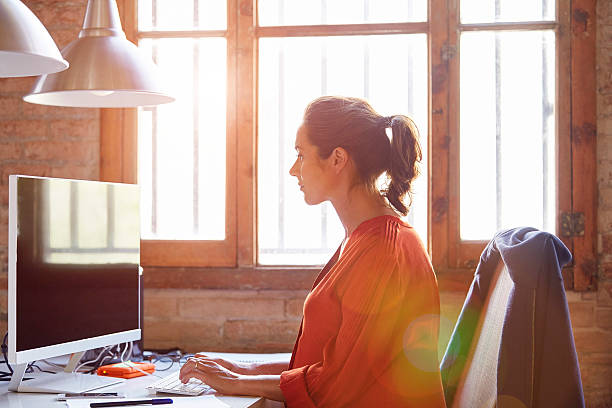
[40, 369]
[4, 351]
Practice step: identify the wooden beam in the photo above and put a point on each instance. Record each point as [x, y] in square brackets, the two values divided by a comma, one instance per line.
[584, 141]
[246, 122]
[118, 134]
[342, 29]
[181, 34]
[563, 121]
[520, 26]
[439, 113]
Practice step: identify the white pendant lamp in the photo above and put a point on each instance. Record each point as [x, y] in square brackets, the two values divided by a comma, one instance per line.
[26, 48]
[106, 70]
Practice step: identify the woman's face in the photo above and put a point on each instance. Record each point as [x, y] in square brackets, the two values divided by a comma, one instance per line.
[314, 174]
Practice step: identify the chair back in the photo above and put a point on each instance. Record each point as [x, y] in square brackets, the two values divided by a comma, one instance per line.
[478, 384]
[512, 345]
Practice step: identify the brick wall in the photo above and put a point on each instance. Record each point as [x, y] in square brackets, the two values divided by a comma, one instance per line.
[222, 320]
[592, 312]
[64, 142]
[42, 140]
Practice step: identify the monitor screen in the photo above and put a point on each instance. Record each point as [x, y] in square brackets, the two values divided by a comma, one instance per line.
[74, 255]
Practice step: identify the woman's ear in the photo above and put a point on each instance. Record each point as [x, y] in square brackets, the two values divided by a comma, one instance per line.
[339, 159]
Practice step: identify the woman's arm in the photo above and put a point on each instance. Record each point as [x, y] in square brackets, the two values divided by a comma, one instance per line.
[267, 386]
[251, 368]
[229, 382]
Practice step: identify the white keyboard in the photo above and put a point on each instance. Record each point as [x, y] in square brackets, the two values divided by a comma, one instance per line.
[172, 385]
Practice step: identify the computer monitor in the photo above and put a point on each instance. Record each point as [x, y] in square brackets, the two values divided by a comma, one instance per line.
[73, 284]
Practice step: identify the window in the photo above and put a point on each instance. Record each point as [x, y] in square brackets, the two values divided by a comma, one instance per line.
[294, 67]
[505, 159]
[492, 86]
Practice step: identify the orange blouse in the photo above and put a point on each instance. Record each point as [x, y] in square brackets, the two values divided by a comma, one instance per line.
[370, 330]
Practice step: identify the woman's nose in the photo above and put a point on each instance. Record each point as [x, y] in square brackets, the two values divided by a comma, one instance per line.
[293, 169]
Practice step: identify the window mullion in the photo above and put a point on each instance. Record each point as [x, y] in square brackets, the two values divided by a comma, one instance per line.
[242, 53]
[342, 29]
[584, 140]
[439, 114]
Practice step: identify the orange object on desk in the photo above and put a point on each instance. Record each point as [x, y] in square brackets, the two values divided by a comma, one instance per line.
[125, 370]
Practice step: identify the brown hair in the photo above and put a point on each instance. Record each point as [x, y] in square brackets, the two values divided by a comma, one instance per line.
[352, 123]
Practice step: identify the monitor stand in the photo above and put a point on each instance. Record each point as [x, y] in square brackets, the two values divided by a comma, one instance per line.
[61, 382]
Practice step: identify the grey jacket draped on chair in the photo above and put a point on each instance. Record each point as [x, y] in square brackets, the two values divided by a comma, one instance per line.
[537, 361]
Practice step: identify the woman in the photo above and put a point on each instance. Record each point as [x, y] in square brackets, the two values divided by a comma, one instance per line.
[370, 329]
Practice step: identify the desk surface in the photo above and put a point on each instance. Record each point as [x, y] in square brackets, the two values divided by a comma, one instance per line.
[134, 388]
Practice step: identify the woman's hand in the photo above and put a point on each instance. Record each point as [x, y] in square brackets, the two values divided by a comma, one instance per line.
[235, 366]
[226, 381]
[212, 373]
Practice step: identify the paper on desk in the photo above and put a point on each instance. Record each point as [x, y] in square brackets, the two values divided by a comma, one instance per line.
[202, 401]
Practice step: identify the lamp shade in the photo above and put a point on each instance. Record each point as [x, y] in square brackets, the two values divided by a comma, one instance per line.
[26, 48]
[106, 70]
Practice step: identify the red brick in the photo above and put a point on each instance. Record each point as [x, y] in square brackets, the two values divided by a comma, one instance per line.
[606, 243]
[34, 110]
[160, 329]
[11, 150]
[604, 318]
[605, 34]
[153, 345]
[38, 4]
[294, 308]
[85, 151]
[198, 334]
[606, 270]
[4, 280]
[90, 171]
[588, 296]
[3, 301]
[266, 335]
[74, 128]
[18, 85]
[63, 37]
[23, 128]
[65, 16]
[595, 377]
[592, 341]
[156, 306]
[7, 169]
[603, 9]
[10, 106]
[581, 314]
[3, 216]
[259, 308]
[604, 294]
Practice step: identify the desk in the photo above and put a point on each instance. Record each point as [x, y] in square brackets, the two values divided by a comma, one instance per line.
[134, 388]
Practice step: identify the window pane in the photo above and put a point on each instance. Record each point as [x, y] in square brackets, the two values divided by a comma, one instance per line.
[478, 11]
[182, 15]
[507, 153]
[389, 71]
[181, 146]
[300, 12]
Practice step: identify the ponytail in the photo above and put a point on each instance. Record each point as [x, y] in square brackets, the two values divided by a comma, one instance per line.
[352, 123]
[405, 157]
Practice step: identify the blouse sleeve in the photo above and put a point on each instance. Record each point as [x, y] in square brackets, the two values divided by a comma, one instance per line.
[387, 338]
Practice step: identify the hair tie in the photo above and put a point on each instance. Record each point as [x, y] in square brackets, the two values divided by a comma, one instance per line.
[386, 121]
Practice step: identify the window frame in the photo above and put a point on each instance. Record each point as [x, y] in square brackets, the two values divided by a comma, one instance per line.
[454, 260]
[466, 253]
